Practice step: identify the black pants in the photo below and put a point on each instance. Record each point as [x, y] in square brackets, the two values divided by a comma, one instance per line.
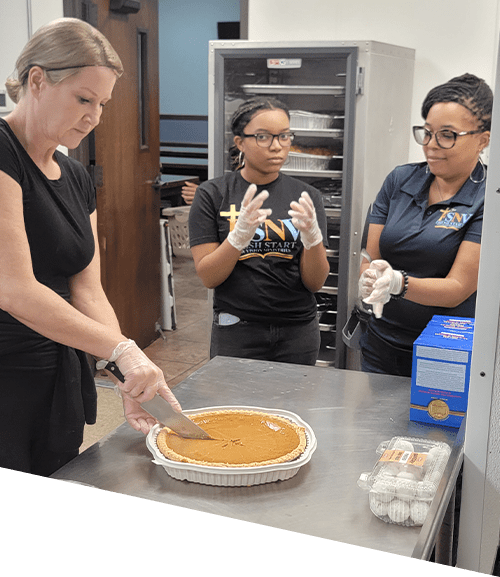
[378, 356]
[298, 343]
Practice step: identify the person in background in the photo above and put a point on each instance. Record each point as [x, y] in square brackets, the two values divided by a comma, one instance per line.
[53, 308]
[188, 191]
[425, 227]
[257, 238]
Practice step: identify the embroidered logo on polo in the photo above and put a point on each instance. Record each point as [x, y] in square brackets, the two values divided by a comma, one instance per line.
[271, 238]
[451, 218]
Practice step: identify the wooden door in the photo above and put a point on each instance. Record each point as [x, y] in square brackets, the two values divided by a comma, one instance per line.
[123, 156]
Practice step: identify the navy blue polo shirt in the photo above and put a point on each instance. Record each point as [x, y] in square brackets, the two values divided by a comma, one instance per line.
[423, 240]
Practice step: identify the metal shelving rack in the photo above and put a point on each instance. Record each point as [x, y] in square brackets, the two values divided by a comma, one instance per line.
[364, 89]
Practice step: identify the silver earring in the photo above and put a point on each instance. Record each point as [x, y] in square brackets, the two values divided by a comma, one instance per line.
[484, 173]
[427, 169]
[241, 160]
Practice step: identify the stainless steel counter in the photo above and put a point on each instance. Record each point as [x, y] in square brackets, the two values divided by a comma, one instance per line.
[350, 413]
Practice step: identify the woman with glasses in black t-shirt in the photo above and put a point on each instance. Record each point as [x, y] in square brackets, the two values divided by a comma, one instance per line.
[257, 238]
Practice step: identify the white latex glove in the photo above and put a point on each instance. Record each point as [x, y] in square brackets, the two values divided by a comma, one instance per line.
[366, 282]
[250, 217]
[143, 379]
[389, 282]
[137, 417]
[304, 219]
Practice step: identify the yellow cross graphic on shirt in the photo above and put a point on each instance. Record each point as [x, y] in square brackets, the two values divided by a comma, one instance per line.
[443, 216]
[232, 214]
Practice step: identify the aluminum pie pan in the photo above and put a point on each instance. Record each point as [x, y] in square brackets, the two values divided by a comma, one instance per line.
[234, 476]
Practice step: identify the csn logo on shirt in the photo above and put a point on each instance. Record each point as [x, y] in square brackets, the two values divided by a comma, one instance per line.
[271, 238]
[452, 219]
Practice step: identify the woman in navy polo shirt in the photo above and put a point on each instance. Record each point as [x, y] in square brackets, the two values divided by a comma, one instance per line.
[425, 227]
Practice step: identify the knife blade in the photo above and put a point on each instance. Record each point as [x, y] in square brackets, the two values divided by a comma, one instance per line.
[161, 410]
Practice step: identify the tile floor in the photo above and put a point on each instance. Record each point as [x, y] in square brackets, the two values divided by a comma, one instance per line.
[180, 353]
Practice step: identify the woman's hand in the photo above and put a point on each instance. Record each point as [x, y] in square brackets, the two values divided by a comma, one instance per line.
[366, 282]
[143, 379]
[250, 217]
[188, 191]
[388, 282]
[137, 417]
[304, 219]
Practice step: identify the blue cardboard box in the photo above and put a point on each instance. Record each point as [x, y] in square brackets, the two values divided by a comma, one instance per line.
[454, 324]
[441, 371]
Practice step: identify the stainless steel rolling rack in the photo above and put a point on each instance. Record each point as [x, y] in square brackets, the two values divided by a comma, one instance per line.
[350, 109]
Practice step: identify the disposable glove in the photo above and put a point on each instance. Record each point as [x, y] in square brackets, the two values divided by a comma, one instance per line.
[388, 282]
[304, 219]
[366, 282]
[250, 217]
[136, 416]
[143, 379]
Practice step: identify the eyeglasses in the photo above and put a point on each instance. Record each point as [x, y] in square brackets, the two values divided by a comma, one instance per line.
[444, 138]
[265, 140]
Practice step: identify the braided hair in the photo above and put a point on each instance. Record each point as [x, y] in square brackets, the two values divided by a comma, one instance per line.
[468, 90]
[244, 114]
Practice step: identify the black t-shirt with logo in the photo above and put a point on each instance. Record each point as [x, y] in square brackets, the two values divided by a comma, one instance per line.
[265, 285]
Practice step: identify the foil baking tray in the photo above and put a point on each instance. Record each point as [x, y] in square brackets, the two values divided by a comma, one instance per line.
[234, 476]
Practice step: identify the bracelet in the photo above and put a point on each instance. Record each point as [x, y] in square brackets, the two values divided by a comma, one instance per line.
[403, 292]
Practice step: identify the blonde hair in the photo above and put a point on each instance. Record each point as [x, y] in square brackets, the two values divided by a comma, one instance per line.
[61, 48]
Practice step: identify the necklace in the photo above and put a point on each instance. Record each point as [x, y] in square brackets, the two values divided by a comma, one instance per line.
[439, 190]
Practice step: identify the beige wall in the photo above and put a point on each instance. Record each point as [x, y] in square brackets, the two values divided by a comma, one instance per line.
[450, 36]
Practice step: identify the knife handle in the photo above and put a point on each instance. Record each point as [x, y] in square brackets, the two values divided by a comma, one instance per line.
[112, 368]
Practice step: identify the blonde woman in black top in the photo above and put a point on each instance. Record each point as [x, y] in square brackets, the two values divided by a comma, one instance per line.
[52, 305]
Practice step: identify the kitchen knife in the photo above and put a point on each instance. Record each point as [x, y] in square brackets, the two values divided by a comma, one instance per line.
[161, 410]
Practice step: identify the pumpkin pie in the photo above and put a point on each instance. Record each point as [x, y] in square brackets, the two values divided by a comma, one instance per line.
[240, 438]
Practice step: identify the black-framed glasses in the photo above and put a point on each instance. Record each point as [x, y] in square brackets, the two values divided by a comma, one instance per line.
[444, 138]
[265, 140]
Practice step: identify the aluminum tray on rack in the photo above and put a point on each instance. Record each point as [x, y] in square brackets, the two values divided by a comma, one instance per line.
[292, 89]
[304, 161]
[316, 173]
[300, 119]
[335, 133]
[234, 476]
